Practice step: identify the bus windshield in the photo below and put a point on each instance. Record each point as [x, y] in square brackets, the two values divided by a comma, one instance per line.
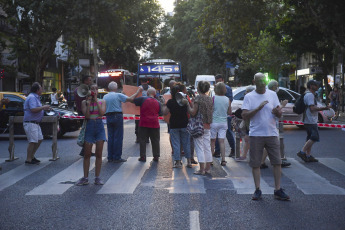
[158, 71]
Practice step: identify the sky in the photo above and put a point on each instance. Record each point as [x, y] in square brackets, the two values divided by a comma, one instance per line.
[167, 5]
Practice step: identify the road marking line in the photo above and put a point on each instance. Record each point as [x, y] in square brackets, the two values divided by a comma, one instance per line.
[127, 177]
[184, 181]
[241, 176]
[56, 186]
[334, 163]
[194, 222]
[310, 182]
[20, 172]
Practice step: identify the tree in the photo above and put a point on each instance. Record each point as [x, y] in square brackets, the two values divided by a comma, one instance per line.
[39, 24]
[179, 40]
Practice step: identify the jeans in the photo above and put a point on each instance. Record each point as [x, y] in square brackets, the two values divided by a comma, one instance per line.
[180, 136]
[229, 137]
[115, 136]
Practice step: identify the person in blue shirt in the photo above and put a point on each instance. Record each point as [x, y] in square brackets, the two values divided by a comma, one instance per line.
[114, 116]
[33, 114]
[229, 134]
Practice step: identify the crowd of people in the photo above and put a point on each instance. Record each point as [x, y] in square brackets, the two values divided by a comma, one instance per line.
[260, 112]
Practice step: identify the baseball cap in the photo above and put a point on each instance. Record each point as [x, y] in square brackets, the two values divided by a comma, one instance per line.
[312, 82]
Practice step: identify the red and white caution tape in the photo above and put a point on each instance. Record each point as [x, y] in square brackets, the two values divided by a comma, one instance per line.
[318, 124]
[285, 121]
[124, 118]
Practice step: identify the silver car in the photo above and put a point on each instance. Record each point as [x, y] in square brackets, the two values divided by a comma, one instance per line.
[283, 94]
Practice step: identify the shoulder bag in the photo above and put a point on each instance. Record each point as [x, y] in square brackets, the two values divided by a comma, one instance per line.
[81, 136]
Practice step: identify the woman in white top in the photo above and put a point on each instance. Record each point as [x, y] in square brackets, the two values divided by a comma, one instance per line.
[54, 98]
[221, 110]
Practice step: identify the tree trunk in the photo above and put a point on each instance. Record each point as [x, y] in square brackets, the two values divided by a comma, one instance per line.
[95, 60]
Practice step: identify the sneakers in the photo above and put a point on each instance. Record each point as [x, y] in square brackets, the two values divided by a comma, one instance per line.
[263, 166]
[285, 163]
[98, 181]
[143, 159]
[257, 194]
[34, 159]
[303, 156]
[156, 159]
[119, 160]
[82, 181]
[312, 159]
[32, 162]
[232, 153]
[177, 164]
[281, 195]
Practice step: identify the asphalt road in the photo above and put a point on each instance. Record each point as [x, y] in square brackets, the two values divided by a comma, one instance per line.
[155, 196]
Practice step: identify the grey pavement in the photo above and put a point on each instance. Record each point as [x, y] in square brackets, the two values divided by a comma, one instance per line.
[156, 196]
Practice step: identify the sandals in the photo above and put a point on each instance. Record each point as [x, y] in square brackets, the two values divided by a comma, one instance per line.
[223, 163]
[189, 166]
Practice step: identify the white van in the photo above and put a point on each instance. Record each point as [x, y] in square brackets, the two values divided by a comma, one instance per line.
[210, 78]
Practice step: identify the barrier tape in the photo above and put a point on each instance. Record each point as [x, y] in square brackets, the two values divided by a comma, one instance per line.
[284, 121]
[318, 124]
[104, 118]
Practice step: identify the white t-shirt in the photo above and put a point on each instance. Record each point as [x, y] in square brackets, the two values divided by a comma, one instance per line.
[310, 117]
[53, 99]
[263, 123]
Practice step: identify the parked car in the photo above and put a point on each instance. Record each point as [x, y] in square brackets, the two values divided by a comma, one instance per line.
[283, 94]
[16, 108]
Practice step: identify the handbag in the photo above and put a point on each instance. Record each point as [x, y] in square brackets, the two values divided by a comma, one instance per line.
[81, 136]
[195, 126]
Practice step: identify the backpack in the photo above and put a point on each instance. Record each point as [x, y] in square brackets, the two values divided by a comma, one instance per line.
[299, 106]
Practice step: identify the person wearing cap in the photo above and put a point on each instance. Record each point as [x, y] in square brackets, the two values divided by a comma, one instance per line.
[310, 118]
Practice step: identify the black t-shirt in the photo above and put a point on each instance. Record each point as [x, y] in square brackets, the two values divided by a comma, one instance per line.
[178, 118]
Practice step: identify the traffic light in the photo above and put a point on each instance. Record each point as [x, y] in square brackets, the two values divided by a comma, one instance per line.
[2, 73]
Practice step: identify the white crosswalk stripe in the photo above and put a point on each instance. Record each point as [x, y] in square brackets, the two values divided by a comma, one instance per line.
[184, 181]
[335, 164]
[57, 184]
[241, 176]
[309, 182]
[20, 172]
[129, 175]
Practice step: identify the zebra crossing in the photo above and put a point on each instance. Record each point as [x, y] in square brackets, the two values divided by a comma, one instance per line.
[129, 176]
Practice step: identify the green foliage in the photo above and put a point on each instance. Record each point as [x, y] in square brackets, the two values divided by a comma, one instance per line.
[179, 40]
[118, 27]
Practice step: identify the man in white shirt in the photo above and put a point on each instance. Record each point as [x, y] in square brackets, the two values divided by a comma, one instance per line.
[261, 107]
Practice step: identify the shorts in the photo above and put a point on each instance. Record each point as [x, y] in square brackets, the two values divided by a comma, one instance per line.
[312, 132]
[219, 128]
[257, 145]
[33, 132]
[94, 131]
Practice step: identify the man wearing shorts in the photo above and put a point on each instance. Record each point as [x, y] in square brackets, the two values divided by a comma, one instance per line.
[33, 114]
[310, 119]
[261, 107]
